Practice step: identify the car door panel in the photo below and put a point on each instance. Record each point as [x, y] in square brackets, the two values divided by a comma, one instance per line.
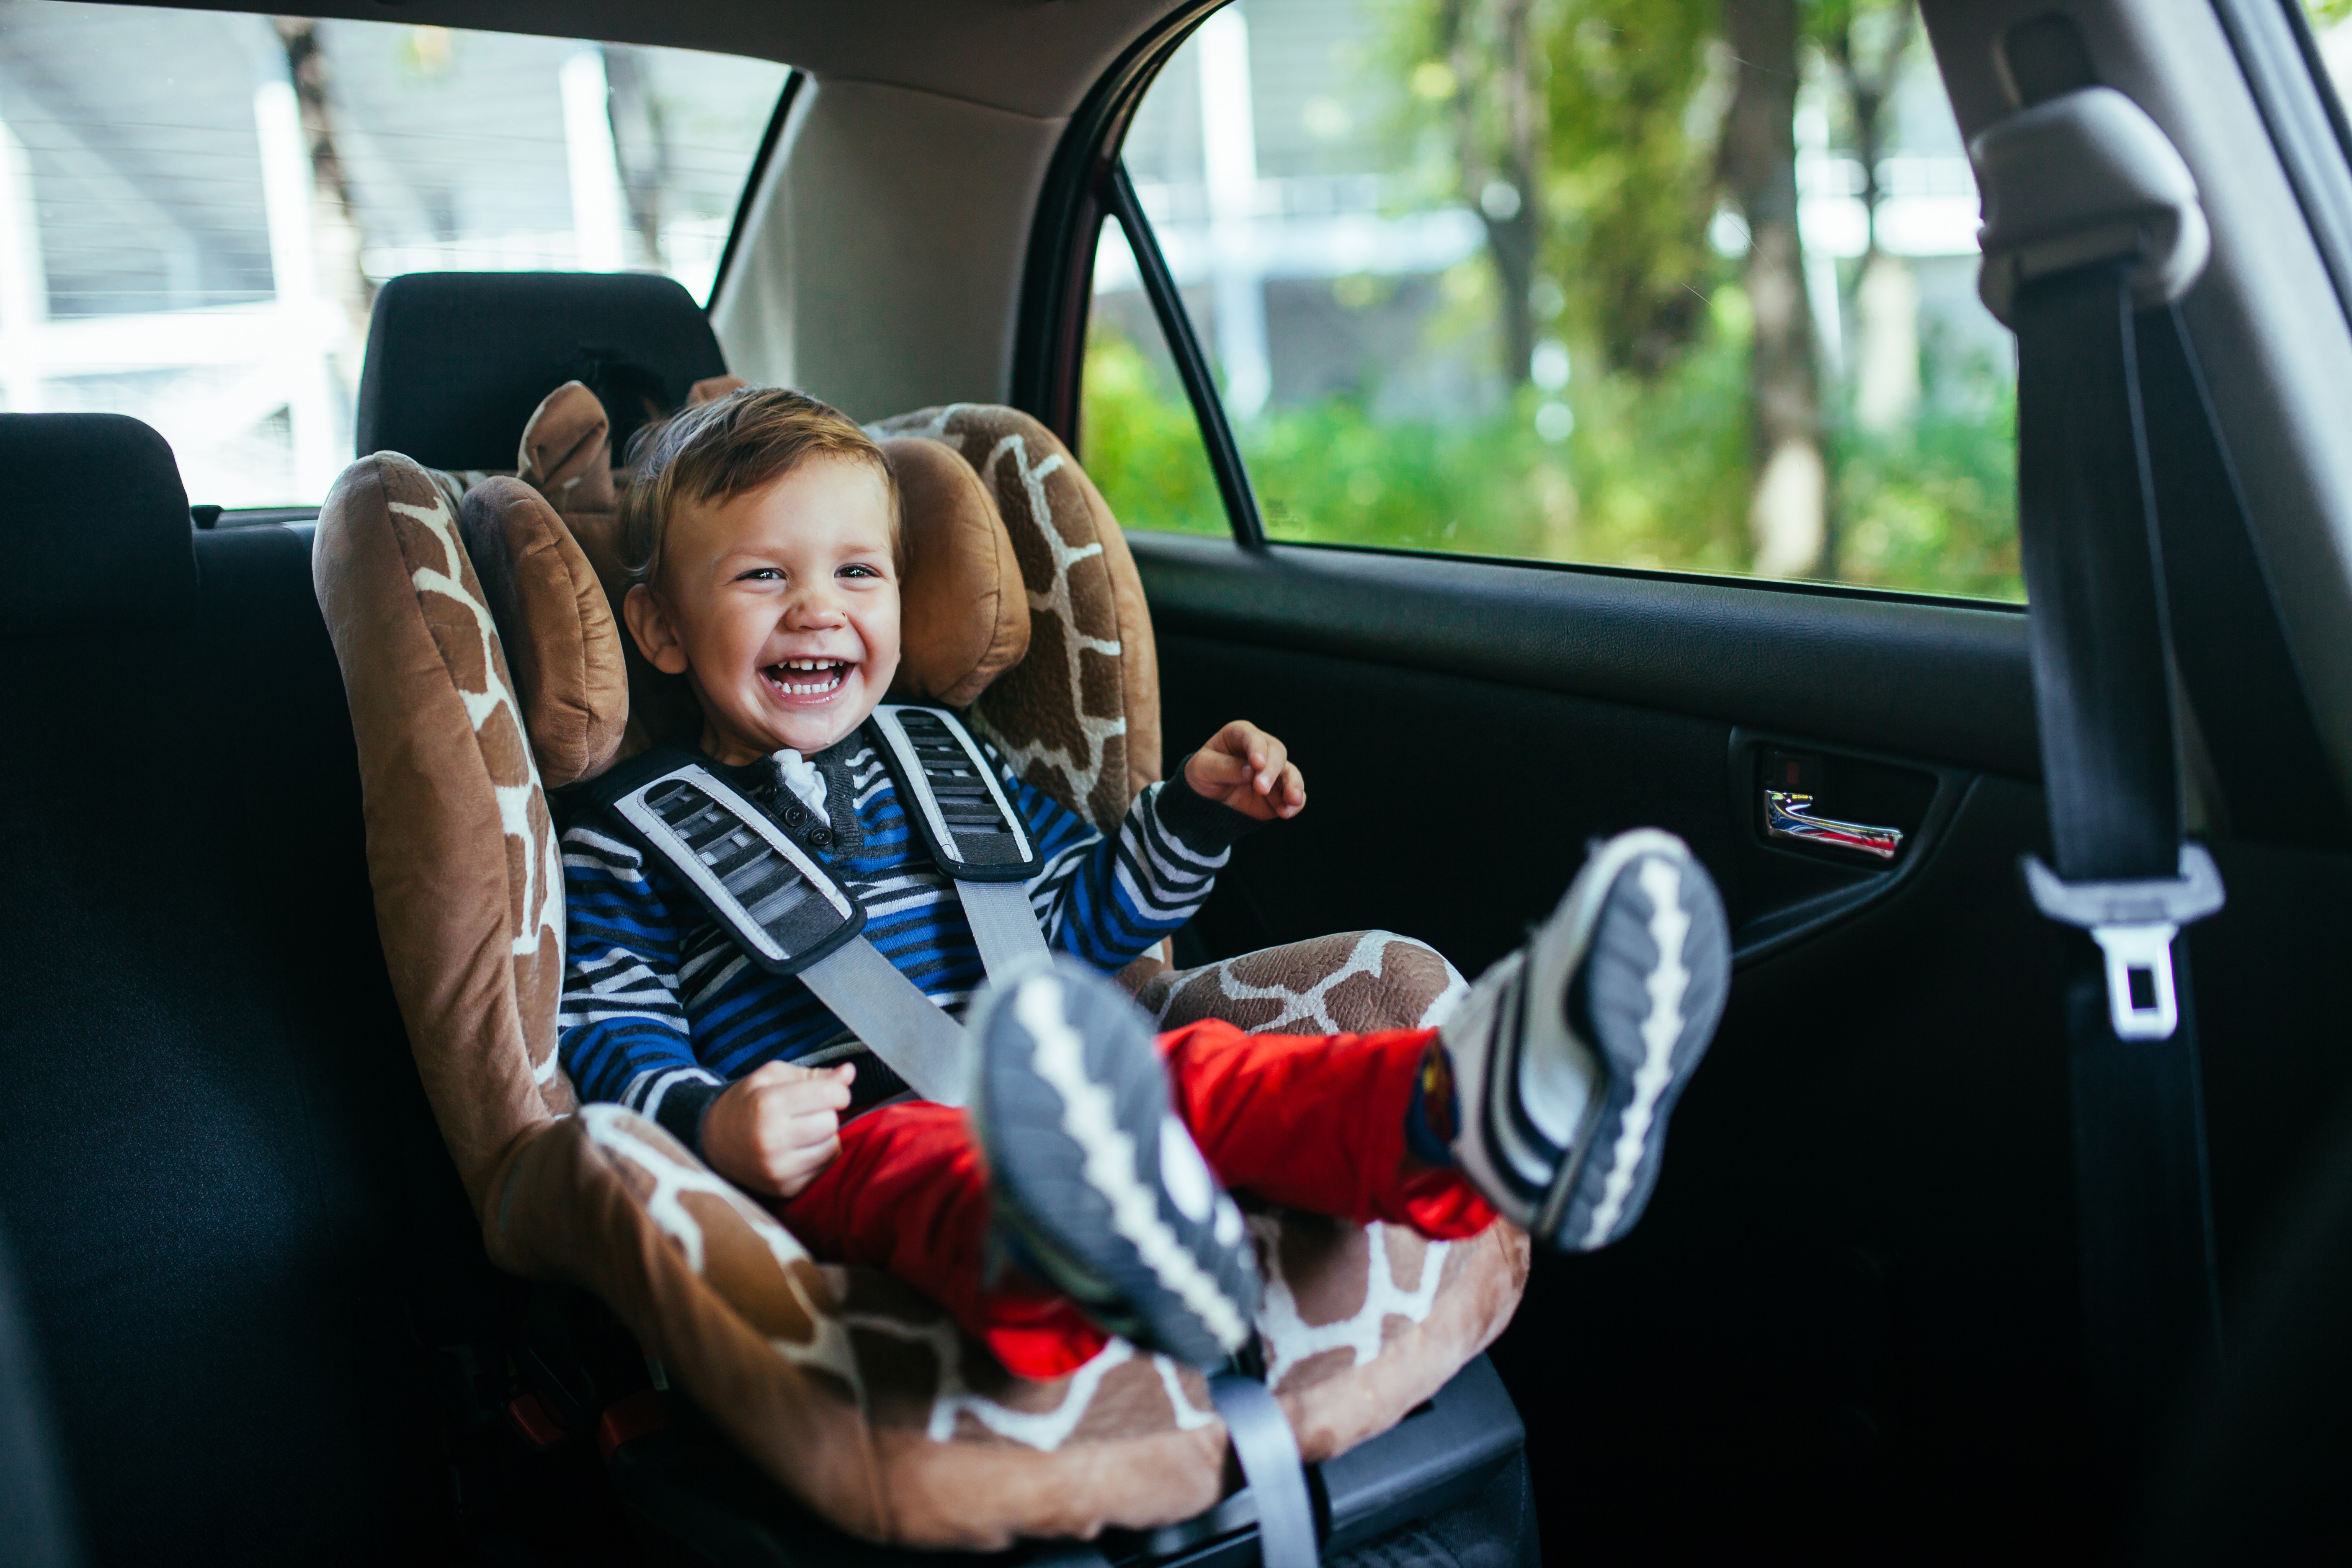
[1859, 1263]
[1854, 1298]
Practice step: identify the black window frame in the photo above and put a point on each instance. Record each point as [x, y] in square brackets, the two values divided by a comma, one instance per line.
[753, 178]
[1086, 184]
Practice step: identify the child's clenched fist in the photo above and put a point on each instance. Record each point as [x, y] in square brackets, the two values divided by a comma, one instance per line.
[773, 1131]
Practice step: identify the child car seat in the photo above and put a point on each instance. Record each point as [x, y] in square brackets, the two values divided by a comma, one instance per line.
[472, 621]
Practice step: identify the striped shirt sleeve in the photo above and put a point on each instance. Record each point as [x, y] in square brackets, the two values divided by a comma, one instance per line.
[622, 1029]
[1105, 900]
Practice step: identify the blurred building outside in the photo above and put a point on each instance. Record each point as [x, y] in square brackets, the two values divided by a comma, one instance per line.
[186, 238]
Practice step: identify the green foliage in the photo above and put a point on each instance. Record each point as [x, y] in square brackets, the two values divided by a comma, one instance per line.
[1657, 469]
[1661, 462]
[1632, 179]
[1654, 474]
[1139, 440]
[1932, 507]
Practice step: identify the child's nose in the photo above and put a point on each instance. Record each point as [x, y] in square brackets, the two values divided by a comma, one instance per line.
[816, 604]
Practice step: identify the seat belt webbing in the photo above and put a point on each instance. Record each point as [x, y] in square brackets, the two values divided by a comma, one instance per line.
[2110, 749]
[788, 912]
[1268, 1450]
[895, 1019]
[1004, 924]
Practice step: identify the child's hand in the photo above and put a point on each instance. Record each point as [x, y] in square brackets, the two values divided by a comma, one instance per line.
[1247, 769]
[773, 1130]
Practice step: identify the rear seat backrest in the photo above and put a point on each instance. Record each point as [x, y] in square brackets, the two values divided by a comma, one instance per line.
[218, 1172]
[456, 360]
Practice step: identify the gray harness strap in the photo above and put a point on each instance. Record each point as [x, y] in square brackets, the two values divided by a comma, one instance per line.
[1269, 1451]
[1002, 923]
[897, 1022]
[957, 806]
[793, 917]
[788, 912]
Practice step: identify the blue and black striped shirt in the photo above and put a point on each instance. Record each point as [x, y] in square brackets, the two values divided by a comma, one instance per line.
[662, 1009]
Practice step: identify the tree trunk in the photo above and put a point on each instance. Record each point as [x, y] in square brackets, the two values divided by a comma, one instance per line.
[1515, 222]
[1787, 510]
[641, 144]
[334, 216]
[1498, 107]
[1885, 295]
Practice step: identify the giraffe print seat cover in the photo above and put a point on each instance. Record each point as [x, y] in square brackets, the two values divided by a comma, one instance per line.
[859, 1396]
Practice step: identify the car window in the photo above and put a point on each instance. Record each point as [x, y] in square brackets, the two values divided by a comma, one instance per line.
[1687, 287]
[1137, 434]
[197, 209]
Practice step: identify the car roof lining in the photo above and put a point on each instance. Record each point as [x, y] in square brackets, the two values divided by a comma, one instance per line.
[1030, 58]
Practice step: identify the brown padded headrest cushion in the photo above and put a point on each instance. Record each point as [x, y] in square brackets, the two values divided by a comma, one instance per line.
[566, 456]
[556, 626]
[966, 615]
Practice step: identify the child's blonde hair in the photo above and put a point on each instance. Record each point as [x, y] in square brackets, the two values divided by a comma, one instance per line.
[719, 450]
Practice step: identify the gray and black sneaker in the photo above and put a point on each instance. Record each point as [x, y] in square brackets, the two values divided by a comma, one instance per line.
[1568, 1054]
[1098, 1185]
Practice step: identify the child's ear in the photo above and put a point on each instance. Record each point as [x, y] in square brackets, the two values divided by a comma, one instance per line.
[650, 625]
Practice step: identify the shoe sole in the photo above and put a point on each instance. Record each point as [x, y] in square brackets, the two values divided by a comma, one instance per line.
[1089, 1167]
[1653, 965]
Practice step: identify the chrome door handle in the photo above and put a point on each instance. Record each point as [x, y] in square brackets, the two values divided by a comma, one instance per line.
[1788, 814]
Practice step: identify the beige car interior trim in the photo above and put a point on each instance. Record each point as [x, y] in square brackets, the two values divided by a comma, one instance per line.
[881, 265]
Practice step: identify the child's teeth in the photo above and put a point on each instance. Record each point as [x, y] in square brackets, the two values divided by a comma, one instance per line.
[832, 672]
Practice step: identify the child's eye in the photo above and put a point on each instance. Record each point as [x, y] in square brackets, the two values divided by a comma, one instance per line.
[761, 574]
[857, 569]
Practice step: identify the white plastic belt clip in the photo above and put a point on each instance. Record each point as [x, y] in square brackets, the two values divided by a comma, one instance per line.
[2133, 924]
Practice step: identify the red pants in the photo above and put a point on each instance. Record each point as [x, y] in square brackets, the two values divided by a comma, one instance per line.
[1308, 1122]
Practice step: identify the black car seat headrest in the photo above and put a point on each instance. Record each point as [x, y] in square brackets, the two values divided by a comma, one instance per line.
[457, 361]
[96, 525]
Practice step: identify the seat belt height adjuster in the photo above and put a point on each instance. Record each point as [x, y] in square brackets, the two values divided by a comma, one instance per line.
[2134, 922]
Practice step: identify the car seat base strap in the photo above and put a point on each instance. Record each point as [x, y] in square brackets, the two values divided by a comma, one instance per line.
[1268, 1452]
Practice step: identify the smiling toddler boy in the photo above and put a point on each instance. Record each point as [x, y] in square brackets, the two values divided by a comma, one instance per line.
[762, 535]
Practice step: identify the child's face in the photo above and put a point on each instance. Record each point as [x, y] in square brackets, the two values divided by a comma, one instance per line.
[781, 608]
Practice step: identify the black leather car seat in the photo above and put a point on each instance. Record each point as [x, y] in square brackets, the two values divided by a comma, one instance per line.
[219, 1174]
[457, 361]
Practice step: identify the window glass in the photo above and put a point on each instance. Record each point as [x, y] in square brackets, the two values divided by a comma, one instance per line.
[1688, 286]
[1137, 435]
[2331, 26]
[196, 208]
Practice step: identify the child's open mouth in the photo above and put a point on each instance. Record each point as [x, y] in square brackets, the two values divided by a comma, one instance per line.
[806, 679]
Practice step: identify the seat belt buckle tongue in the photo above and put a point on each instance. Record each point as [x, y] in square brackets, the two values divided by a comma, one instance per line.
[2134, 922]
[2145, 950]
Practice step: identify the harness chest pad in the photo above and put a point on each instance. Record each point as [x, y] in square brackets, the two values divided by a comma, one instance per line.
[952, 795]
[782, 907]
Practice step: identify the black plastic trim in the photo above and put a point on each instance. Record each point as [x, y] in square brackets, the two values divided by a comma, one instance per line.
[1049, 339]
[1946, 683]
[2278, 56]
[1191, 364]
[1664, 574]
[752, 180]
